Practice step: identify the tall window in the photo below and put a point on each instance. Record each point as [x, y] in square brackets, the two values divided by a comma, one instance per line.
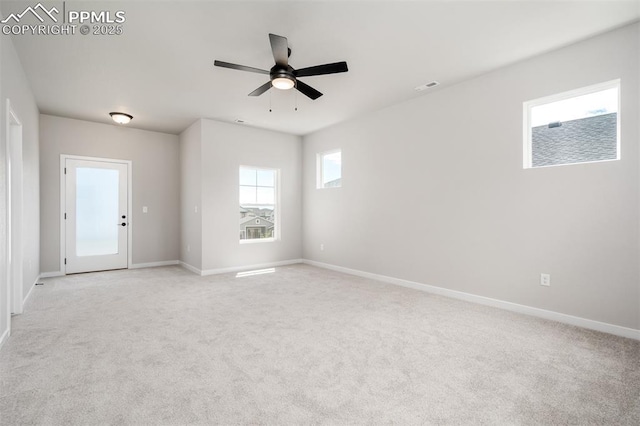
[329, 169]
[258, 204]
[580, 126]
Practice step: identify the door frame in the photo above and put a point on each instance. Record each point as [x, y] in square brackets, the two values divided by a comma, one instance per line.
[14, 234]
[63, 204]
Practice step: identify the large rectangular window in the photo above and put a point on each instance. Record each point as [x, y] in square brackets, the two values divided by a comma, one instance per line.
[579, 126]
[329, 166]
[258, 204]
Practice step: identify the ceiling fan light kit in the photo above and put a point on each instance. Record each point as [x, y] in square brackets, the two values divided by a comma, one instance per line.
[282, 75]
[283, 83]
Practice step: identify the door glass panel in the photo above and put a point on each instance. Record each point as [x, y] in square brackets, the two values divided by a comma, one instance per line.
[96, 211]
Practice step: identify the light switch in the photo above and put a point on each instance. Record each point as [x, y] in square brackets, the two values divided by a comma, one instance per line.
[145, 209]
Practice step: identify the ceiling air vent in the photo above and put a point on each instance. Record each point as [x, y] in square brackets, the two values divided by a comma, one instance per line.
[426, 86]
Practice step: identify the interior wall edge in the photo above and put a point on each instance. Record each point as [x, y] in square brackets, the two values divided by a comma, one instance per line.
[190, 268]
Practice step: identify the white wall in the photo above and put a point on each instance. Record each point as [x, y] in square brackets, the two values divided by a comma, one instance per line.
[191, 195]
[434, 192]
[224, 148]
[14, 86]
[156, 183]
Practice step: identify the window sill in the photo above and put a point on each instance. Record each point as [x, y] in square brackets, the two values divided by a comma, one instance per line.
[608, 160]
[258, 240]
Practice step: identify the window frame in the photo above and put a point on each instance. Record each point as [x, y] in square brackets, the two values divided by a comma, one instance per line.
[320, 168]
[527, 106]
[276, 206]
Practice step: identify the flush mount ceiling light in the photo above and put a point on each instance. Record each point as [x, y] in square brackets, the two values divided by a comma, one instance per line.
[283, 82]
[121, 117]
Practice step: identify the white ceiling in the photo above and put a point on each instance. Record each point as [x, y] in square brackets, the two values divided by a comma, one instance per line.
[161, 69]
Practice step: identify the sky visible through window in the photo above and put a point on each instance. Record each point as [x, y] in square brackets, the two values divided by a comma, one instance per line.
[593, 104]
[257, 187]
[331, 167]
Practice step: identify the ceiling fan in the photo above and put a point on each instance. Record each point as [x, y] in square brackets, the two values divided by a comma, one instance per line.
[283, 76]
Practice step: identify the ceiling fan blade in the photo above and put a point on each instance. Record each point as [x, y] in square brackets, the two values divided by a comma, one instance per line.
[260, 90]
[307, 90]
[322, 69]
[280, 49]
[239, 67]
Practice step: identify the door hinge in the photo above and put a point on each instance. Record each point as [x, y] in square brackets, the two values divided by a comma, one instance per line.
[65, 216]
[65, 260]
[65, 170]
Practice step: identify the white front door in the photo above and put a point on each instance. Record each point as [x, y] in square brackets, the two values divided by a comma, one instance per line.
[96, 224]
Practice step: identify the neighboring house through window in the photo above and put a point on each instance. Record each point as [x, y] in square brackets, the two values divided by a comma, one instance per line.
[258, 205]
[329, 169]
[580, 126]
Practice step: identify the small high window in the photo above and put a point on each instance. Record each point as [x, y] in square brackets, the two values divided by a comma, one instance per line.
[579, 126]
[258, 204]
[329, 169]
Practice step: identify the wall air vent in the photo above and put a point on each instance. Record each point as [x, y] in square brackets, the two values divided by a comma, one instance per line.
[426, 86]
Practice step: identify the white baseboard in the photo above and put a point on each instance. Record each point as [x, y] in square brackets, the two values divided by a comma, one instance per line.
[496, 303]
[250, 267]
[154, 264]
[52, 274]
[5, 336]
[190, 268]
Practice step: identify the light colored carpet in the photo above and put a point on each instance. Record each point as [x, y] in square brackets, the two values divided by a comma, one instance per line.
[301, 345]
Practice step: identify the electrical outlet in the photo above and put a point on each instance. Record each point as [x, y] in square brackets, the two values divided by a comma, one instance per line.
[188, 247]
[195, 209]
[145, 209]
[545, 280]
[321, 247]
